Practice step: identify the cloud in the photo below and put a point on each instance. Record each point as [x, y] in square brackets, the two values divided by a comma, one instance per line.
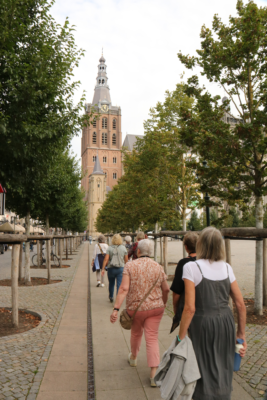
[141, 39]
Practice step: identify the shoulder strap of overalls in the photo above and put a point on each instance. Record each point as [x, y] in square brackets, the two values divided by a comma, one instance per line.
[199, 269]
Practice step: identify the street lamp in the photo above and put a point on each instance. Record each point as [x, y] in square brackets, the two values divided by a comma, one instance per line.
[207, 197]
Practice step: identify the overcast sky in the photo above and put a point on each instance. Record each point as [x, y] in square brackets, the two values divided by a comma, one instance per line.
[141, 39]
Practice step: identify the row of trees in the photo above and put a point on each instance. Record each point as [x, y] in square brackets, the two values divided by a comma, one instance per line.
[165, 173]
[38, 117]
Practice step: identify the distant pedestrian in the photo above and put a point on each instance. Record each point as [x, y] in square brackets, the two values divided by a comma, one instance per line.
[139, 276]
[133, 250]
[90, 239]
[115, 259]
[209, 282]
[97, 262]
[128, 241]
[177, 287]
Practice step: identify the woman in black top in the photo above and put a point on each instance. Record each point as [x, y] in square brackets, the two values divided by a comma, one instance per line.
[177, 287]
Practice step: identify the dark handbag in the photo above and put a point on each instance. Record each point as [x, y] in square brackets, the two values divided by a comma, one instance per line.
[125, 320]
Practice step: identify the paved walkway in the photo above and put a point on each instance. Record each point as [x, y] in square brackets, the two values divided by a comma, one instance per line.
[66, 373]
[114, 378]
[55, 354]
[23, 357]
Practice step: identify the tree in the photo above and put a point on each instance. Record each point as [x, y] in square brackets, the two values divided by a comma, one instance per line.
[234, 57]
[37, 115]
[61, 204]
[157, 186]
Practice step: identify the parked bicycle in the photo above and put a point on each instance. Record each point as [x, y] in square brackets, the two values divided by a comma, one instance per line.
[54, 259]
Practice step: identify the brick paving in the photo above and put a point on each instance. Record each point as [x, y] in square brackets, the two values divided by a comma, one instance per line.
[23, 357]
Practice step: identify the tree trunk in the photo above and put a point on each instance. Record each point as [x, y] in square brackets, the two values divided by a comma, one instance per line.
[48, 261]
[20, 262]
[156, 242]
[71, 245]
[27, 252]
[165, 252]
[39, 245]
[47, 224]
[67, 242]
[161, 250]
[265, 272]
[259, 258]
[60, 252]
[15, 291]
[184, 229]
[227, 243]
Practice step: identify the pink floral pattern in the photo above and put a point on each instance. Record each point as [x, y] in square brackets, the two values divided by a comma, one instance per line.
[143, 273]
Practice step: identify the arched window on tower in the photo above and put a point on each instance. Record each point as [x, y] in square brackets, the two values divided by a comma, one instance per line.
[94, 122]
[114, 140]
[104, 138]
[94, 158]
[104, 123]
[114, 123]
[94, 137]
[99, 81]
[103, 81]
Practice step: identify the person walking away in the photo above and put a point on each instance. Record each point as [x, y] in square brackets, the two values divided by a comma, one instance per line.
[139, 276]
[116, 257]
[177, 287]
[208, 283]
[97, 262]
[128, 241]
[133, 250]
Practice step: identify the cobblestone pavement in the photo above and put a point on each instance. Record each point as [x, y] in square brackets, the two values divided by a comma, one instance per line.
[23, 357]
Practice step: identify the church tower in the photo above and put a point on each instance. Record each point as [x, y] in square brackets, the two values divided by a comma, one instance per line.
[104, 136]
[96, 195]
[101, 142]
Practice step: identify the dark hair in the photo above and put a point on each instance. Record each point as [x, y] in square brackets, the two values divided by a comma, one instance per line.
[190, 241]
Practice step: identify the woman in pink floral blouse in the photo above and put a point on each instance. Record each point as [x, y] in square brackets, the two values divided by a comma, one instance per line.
[138, 278]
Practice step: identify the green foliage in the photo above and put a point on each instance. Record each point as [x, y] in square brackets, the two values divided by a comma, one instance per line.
[37, 114]
[62, 200]
[194, 223]
[157, 185]
[234, 57]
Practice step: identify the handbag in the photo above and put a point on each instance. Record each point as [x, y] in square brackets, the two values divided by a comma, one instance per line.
[125, 320]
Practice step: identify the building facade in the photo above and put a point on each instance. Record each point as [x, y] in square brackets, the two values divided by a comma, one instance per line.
[104, 136]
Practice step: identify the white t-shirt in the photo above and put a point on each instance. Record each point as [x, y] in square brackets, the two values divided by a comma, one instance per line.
[215, 271]
[97, 250]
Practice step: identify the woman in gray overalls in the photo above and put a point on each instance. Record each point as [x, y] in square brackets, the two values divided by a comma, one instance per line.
[208, 283]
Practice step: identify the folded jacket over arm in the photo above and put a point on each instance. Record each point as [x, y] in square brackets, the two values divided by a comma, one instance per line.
[178, 371]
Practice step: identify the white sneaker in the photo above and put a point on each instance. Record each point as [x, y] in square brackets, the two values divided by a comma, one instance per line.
[133, 363]
[102, 285]
[152, 382]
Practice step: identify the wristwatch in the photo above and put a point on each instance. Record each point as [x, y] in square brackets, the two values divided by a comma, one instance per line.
[116, 309]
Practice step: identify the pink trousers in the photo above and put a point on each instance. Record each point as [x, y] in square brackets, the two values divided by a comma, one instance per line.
[147, 321]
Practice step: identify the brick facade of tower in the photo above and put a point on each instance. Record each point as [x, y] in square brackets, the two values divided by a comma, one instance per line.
[103, 138]
[106, 142]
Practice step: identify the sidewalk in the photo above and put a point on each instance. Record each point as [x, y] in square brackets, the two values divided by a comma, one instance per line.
[114, 378]
[66, 373]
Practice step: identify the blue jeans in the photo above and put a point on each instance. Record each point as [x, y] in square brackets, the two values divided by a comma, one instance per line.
[113, 274]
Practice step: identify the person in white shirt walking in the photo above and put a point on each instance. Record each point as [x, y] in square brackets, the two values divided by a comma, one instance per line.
[97, 262]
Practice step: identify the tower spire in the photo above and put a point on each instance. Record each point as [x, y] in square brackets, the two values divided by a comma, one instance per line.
[102, 94]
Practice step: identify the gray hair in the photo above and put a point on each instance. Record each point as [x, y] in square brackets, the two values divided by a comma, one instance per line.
[101, 239]
[140, 235]
[128, 239]
[145, 247]
[210, 245]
